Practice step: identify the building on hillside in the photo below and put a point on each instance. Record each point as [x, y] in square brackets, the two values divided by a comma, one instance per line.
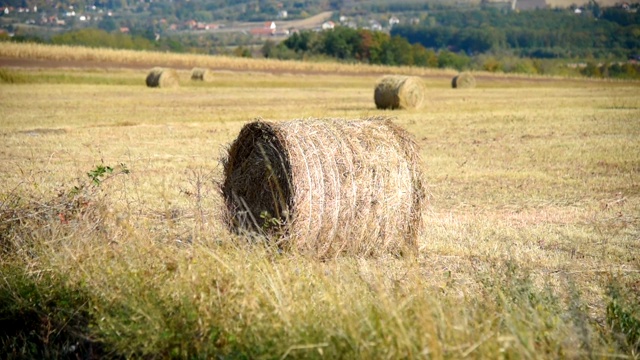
[270, 25]
[269, 29]
[328, 25]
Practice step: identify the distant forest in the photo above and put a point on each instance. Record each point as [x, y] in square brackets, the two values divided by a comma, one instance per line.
[609, 33]
[600, 43]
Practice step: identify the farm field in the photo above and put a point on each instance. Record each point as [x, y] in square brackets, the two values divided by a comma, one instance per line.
[112, 245]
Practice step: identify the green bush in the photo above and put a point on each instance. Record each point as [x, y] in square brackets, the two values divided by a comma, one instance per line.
[11, 77]
[623, 317]
[42, 317]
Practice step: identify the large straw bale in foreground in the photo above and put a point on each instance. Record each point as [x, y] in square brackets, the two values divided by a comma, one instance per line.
[326, 186]
[463, 81]
[201, 74]
[160, 77]
[399, 92]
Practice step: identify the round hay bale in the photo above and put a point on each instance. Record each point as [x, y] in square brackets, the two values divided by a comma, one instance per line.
[463, 81]
[160, 77]
[201, 74]
[399, 92]
[326, 186]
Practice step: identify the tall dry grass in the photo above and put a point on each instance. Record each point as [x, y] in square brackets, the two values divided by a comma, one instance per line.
[188, 61]
[173, 284]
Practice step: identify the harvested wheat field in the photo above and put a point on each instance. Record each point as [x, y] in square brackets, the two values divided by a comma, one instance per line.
[115, 234]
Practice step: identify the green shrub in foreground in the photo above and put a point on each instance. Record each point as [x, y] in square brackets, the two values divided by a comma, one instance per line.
[42, 318]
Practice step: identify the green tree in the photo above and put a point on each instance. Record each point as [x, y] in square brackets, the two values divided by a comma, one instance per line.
[242, 51]
[107, 24]
[340, 42]
[301, 41]
[449, 59]
[591, 70]
[424, 57]
[376, 48]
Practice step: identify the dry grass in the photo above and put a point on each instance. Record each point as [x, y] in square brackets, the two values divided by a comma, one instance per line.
[182, 61]
[530, 247]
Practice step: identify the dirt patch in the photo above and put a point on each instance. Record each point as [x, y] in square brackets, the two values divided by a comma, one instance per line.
[42, 131]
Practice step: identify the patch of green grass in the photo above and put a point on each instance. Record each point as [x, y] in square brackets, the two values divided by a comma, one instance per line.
[42, 316]
[11, 77]
[68, 77]
[623, 314]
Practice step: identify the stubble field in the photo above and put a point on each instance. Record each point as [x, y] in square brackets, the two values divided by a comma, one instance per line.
[531, 247]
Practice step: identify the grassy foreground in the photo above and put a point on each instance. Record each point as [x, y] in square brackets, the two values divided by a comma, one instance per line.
[111, 244]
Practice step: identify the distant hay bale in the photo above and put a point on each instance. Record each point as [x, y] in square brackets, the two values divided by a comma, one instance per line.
[160, 77]
[201, 74]
[399, 92]
[463, 81]
[326, 186]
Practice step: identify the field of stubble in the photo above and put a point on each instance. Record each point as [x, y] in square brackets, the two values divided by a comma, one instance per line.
[112, 245]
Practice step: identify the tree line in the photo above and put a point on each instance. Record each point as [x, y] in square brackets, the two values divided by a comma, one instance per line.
[600, 33]
[361, 45]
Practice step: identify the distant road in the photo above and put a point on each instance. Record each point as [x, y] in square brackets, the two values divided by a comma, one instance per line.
[308, 23]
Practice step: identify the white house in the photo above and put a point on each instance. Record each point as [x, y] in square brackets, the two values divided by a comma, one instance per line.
[328, 25]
